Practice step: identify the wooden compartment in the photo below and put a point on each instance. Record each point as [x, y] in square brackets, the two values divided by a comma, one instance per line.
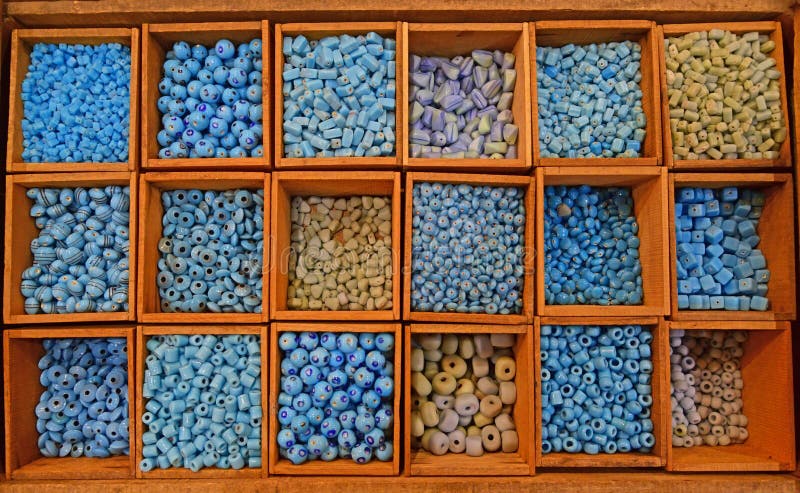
[316, 31]
[22, 349]
[649, 187]
[151, 186]
[157, 40]
[560, 33]
[526, 314]
[773, 29]
[21, 229]
[451, 40]
[143, 334]
[776, 229]
[660, 412]
[22, 41]
[519, 463]
[343, 466]
[766, 368]
[288, 184]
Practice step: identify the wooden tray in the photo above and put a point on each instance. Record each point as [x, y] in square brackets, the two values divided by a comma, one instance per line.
[22, 349]
[767, 373]
[143, 334]
[559, 33]
[321, 30]
[152, 184]
[776, 230]
[520, 463]
[338, 467]
[766, 27]
[287, 184]
[22, 41]
[460, 39]
[157, 39]
[660, 412]
[649, 187]
[21, 229]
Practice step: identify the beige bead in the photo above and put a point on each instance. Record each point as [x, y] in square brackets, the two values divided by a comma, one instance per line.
[429, 413]
[491, 438]
[474, 446]
[505, 369]
[430, 341]
[466, 347]
[417, 360]
[510, 441]
[417, 425]
[504, 422]
[482, 420]
[473, 431]
[491, 406]
[444, 383]
[464, 386]
[458, 441]
[503, 340]
[480, 366]
[488, 386]
[508, 392]
[483, 346]
[449, 344]
[454, 365]
[420, 384]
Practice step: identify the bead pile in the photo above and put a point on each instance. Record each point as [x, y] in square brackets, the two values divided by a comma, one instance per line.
[212, 249]
[590, 101]
[203, 402]
[724, 96]
[596, 389]
[339, 96]
[83, 411]
[76, 103]
[463, 393]
[455, 229]
[707, 388]
[461, 107]
[591, 247]
[336, 396]
[80, 257]
[341, 255]
[718, 264]
[211, 102]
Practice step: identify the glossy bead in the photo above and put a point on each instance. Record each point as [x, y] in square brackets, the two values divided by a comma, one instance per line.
[210, 108]
[330, 423]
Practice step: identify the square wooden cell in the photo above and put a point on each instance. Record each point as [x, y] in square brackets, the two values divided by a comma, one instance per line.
[773, 29]
[660, 412]
[766, 367]
[21, 229]
[289, 184]
[519, 463]
[22, 42]
[526, 314]
[317, 31]
[22, 349]
[342, 466]
[560, 33]
[776, 230]
[450, 40]
[152, 185]
[157, 40]
[143, 334]
[649, 190]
